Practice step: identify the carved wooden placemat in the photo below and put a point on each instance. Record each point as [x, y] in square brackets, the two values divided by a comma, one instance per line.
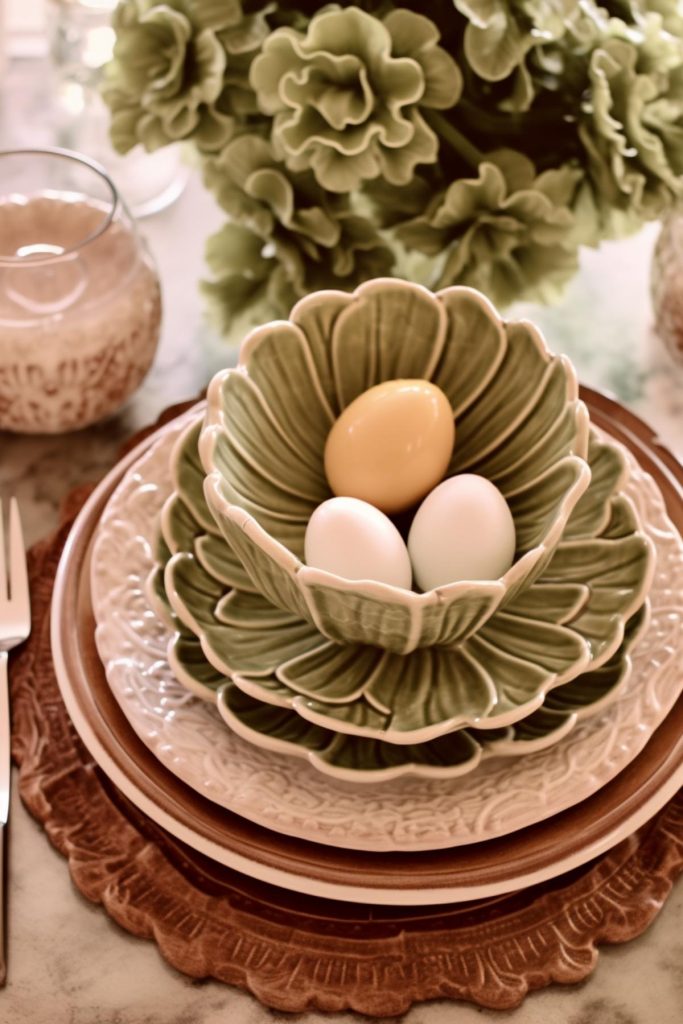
[294, 952]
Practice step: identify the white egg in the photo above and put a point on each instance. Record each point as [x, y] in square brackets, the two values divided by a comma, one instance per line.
[463, 530]
[353, 539]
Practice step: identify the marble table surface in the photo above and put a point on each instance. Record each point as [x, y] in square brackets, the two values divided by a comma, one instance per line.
[69, 963]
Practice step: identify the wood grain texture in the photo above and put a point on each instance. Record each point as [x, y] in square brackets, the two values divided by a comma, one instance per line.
[294, 952]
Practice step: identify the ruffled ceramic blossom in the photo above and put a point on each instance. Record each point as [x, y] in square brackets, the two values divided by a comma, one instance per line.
[632, 131]
[268, 419]
[180, 71]
[371, 127]
[242, 276]
[668, 10]
[346, 96]
[505, 232]
[312, 240]
[500, 33]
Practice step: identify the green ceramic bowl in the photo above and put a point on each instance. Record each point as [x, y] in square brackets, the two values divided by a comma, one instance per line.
[365, 759]
[578, 619]
[519, 422]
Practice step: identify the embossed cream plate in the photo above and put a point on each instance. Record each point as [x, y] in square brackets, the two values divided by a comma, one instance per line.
[287, 795]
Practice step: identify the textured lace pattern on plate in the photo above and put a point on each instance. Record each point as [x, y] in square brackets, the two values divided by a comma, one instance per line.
[286, 794]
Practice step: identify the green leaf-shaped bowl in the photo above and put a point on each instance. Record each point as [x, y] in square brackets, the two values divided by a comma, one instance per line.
[361, 759]
[570, 621]
[519, 422]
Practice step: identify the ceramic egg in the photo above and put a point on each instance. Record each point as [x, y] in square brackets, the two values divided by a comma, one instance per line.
[391, 445]
[352, 539]
[463, 530]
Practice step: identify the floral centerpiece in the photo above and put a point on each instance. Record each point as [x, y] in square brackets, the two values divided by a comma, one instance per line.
[477, 142]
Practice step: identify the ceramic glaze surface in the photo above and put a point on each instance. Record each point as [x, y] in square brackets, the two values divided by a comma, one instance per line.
[562, 643]
[519, 422]
[284, 794]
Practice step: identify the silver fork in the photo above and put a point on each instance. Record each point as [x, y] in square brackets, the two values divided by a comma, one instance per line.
[15, 626]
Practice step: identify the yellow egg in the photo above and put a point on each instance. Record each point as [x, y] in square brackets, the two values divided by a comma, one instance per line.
[391, 445]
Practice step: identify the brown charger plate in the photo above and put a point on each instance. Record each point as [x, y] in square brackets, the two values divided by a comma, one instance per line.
[295, 952]
[557, 844]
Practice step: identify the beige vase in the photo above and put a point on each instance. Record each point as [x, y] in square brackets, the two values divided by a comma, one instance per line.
[667, 284]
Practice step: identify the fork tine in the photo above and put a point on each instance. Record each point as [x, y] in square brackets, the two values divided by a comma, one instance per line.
[3, 570]
[18, 573]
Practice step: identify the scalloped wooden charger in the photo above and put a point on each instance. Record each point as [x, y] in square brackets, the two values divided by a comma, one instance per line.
[298, 952]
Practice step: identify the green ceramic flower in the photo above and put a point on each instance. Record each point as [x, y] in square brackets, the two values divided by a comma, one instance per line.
[363, 759]
[179, 71]
[346, 95]
[500, 33]
[243, 276]
[312, 240]
[268, 420]
[288, 685]
[507, 232]
[631, 127]
[670, 12]
[477, 142]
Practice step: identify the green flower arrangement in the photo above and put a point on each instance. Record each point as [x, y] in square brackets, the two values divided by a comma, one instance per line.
[477, 142]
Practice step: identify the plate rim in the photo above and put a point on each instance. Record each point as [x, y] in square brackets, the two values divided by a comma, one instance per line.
[360, 880]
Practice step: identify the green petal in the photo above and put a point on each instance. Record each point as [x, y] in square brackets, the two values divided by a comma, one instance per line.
[381, 336]
[609, 472]
[188, 478]
[619, 581]
[346, 757]
[514, 393]
[622, 518]
[189, 665]
[316, 315]
[540, 505]
[558, 603]
[474, 348]
[278, 360]
[538, 442]
[592, 690]
[430, 688]
[332, 673]
[239, 632]
[264, 442]
[545, 645]
[178, 525]
[218, 560]
[273, 570]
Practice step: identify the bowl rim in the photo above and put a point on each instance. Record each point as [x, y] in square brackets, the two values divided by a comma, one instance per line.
[305, 577]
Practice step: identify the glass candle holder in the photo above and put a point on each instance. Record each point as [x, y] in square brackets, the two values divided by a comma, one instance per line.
[80, 303]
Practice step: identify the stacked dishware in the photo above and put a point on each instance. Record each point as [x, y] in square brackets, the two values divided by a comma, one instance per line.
[352, 713]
